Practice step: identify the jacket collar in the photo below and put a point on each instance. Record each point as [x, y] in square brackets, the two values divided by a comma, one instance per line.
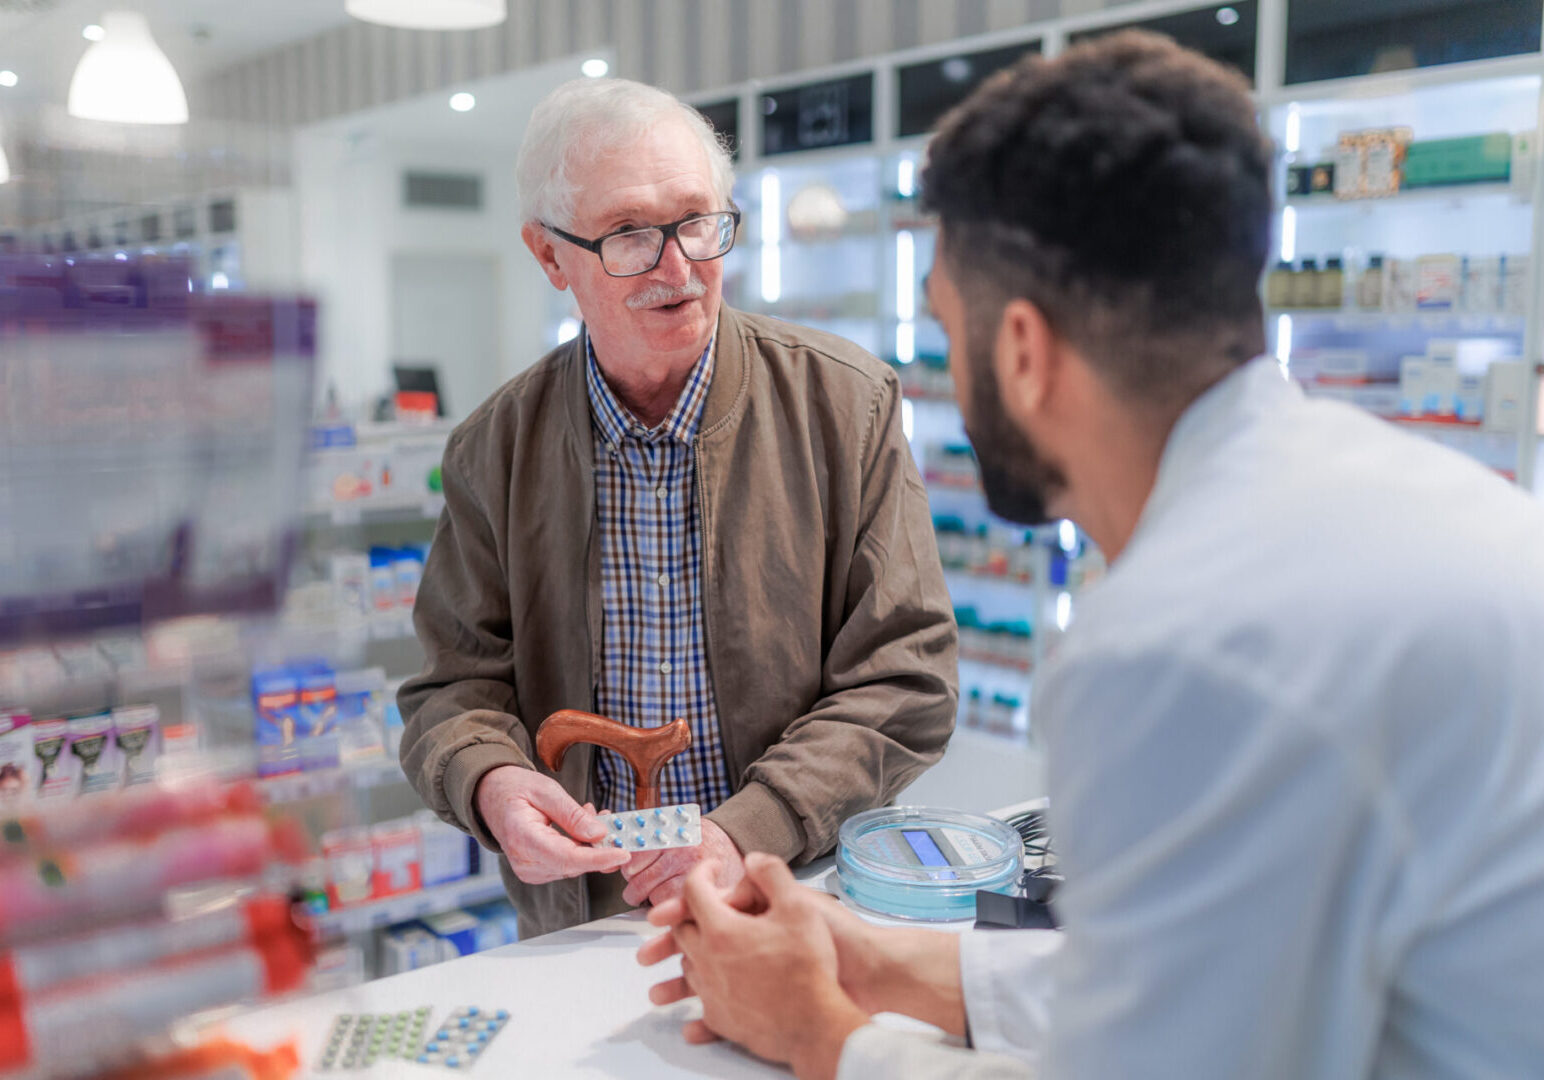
[726, 393]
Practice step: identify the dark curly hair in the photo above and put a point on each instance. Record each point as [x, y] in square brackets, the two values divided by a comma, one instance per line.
[1124, 189]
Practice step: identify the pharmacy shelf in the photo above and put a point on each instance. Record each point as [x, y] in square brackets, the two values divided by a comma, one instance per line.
[423, 508]
[395, 909]
[1436, 322]
[1418, 196]
[988, 577]
[995, 660]
[930, 398]
[309, 785]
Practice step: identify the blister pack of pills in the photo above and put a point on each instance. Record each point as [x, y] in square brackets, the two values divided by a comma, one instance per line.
[461, 1039]
[650, 830]
[358, 1040]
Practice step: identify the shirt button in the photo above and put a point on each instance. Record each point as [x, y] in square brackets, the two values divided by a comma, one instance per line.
[664, 579]
[662, 491]
[612, 447]
[665, 668]
[639, 430]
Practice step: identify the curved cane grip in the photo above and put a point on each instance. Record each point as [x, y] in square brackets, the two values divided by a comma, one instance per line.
[646, 749]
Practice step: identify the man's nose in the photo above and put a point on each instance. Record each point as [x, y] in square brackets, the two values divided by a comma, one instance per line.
[674, 267]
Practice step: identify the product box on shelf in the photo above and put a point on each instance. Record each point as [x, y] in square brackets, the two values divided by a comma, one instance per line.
[456, 928]
[316, 716]
[276, 721]
[58, 773]
[91, 743]
[137, 732]
[448, 853]
[1469, 159]
[18, 765]
[1506, 395]
[1469, 402]
[1437, 282]
[360, 715]
[350, 859]
[398, 858]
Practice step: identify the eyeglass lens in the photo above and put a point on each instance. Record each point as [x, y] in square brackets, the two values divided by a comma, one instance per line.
[638, 251]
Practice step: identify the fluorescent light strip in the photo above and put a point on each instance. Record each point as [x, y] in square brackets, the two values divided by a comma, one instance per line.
[905, 276]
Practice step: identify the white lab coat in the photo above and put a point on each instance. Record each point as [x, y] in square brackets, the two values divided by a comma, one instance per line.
[1296, 760]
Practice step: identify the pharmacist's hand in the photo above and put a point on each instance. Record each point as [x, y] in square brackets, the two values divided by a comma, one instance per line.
[521, 806]
[657, 876]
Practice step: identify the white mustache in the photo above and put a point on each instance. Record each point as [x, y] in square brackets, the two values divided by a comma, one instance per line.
[660, 293]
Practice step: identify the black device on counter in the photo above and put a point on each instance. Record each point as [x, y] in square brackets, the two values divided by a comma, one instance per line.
[1032, 908]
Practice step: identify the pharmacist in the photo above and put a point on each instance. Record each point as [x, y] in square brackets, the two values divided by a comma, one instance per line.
[1296, 739]
[687, 511]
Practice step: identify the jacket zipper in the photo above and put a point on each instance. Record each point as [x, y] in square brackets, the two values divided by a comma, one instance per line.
[704, 563]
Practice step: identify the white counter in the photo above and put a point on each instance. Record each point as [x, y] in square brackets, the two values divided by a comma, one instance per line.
[578, 1004]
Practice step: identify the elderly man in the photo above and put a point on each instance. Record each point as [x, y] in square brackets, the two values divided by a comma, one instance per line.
[686, 512]
[1296, 740]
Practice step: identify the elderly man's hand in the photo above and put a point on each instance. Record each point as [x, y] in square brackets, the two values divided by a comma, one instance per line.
[767, 980]
[657, 876]
[521, 806]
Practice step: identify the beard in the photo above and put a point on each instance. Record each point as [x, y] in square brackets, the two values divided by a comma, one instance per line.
[1019, 482]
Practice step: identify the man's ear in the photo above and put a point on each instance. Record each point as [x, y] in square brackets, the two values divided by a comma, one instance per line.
[1028, 359]
[539, 240]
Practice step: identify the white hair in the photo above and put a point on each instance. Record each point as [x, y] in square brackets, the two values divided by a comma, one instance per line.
[584, 119]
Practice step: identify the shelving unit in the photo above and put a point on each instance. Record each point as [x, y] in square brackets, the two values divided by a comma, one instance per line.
[362, 918]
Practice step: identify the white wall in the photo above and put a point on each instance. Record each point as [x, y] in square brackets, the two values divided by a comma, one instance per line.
[352, 225]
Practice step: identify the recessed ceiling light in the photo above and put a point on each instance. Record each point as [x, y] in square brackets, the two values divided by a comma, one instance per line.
[1227, 16]
[595, 67]
[463, 102]
[7, 78]
[93, 32]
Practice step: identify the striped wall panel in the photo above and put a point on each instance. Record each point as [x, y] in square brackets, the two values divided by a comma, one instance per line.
[682, 45]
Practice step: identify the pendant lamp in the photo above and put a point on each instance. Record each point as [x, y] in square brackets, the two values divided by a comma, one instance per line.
[429, 14]
[126, 78]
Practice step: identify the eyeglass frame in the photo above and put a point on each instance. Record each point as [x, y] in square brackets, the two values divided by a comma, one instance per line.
[670, 233]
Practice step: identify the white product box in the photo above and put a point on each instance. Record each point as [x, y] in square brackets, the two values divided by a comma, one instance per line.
[1412, 385]
[1470, 403]
[1339, 365]
[1514, 284]
[1381, 399]
[1437, 281]
[1481, 294]
[1506, 395]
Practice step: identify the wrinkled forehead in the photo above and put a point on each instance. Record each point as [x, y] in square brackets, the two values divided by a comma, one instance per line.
[663, 169]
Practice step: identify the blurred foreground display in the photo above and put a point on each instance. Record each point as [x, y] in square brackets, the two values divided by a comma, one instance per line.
[150, 443]
[151, 447]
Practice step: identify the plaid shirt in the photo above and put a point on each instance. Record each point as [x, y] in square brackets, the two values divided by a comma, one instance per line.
[655, 661]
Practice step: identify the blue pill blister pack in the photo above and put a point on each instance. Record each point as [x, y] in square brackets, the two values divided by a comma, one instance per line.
[651, 830]
[462, 1038]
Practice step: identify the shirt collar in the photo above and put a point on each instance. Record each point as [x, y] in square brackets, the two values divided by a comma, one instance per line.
[1201, 434]
[616, 422]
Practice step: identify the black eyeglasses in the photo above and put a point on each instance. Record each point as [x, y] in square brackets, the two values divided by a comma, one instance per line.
[630, 252]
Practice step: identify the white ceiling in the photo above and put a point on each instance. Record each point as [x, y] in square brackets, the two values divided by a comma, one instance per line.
[40, 39]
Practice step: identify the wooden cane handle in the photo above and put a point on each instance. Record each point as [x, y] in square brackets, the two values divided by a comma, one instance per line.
[646, 749]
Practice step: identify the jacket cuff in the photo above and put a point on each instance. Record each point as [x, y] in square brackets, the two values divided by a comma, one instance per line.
[759, 819]
[462, 772]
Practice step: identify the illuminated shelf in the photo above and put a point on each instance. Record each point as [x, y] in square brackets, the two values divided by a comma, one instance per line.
[1447, 322]
[1416, 196]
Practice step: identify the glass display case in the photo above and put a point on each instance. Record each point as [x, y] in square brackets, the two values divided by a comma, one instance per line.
[1403, 278]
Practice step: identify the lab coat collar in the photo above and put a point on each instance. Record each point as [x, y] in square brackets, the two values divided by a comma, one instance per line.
[1202, 431]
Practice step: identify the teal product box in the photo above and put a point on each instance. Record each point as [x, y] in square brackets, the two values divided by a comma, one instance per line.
[276, 721]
